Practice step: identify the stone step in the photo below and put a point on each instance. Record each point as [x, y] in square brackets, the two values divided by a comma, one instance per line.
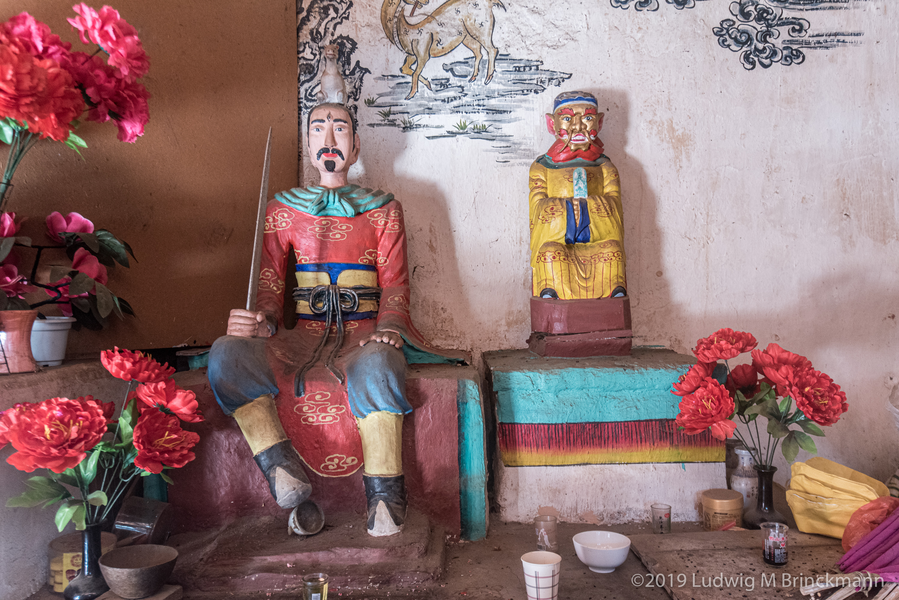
[257, 554]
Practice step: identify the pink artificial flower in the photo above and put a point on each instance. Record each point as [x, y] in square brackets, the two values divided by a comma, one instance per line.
[137, 366]
[115, 36]
[36, 37]
[111, 97]
[8, 225]
[83, 262]
[73, 223]
[11, 283]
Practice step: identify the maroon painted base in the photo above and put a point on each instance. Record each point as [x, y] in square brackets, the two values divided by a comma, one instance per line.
[224, 483]
[580, 316]
[580, 345]
[257, 554]
[580, 328]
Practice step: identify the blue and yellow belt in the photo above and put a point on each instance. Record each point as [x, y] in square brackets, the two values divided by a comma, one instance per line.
[333, 293]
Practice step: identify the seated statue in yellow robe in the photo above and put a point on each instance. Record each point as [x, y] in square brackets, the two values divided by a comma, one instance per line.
[577, 232]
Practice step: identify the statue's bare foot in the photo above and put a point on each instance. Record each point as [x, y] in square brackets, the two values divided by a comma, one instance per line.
[386, 504]
[283, 470]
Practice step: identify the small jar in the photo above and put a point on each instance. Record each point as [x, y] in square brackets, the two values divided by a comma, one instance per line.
[744, 479]
[721, 508]
[315, 586]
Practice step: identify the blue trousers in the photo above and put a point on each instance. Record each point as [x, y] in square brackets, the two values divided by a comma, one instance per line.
[239, 372]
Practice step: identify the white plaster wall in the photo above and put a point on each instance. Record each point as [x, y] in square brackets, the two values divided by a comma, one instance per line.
[758, 200]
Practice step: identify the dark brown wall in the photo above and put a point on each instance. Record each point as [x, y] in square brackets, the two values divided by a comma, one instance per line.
[185, 194]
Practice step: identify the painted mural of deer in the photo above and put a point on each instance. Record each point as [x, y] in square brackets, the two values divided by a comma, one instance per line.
[455, 22]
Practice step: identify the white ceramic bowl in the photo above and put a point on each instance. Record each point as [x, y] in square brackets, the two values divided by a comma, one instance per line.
[601, 551]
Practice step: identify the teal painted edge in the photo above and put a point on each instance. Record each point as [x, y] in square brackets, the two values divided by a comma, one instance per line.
[472, 461]
[586, 395]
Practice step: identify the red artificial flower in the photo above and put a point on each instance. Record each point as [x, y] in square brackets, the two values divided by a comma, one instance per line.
[54, 434]
[743, 378]
[73, 223]
[115, 36]
[724, 344]
[779, 366]
[8, 225]
[128, 365]
[160, 441]
[12, 283]
[709, 407]
[5, 424]
[169, 398]
[36, 90]
[818, 397]
[689, 381]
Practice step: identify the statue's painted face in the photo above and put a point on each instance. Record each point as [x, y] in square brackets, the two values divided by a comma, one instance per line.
[333, 146]
[575, 125]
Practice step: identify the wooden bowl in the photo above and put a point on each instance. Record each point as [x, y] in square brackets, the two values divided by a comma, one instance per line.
[139, 571]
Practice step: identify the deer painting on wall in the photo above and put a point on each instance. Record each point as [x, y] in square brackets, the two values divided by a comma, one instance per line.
[453, 23]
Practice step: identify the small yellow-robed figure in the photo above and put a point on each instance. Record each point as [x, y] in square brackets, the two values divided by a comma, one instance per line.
[577, 232]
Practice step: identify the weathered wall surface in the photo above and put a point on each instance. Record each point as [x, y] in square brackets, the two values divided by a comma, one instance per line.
[760, 199]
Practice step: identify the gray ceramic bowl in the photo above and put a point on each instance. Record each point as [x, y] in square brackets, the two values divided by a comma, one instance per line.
[138, 571]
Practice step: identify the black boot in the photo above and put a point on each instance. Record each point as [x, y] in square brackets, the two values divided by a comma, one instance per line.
[386, 504]
[283, 469]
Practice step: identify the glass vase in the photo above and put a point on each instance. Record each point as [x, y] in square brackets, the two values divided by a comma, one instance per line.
[89, 583]
[763, 511]
[744, 479]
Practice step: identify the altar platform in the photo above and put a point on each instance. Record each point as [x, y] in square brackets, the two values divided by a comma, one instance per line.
[594, 439]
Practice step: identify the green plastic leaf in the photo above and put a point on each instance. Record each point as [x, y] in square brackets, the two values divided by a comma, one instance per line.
[42, 490]
[811, 428]
[755, 409]
[78, 517]
[105, 300]
[112, 248]
[88, 467]
[65, 513]
[6, 245]
[126, 307]
[97, 498]
[6, 132]
[81, 284]
[805, 442]
[167, 479]
[67, 477]
[74, 140]
[126, 422]
[785, 404]
[790, 447]
[777, 429]
[90, 240]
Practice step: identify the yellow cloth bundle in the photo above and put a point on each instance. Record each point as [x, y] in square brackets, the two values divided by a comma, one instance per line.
[824, 494]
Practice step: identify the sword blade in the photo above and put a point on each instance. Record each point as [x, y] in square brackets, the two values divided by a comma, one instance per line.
[260, 226]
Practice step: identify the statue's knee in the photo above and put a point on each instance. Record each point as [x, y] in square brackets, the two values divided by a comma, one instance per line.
[376, 357]
[229, 353]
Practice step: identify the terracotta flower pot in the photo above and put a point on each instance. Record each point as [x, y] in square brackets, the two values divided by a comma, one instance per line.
[15, 341]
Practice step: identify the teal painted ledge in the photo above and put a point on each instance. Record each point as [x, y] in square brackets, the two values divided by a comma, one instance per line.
[606, 389]
[472, 461]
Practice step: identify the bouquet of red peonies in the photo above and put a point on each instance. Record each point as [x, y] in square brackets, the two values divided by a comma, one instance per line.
[88, 451]
[714, 395]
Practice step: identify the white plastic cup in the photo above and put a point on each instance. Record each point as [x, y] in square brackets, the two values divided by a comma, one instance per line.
[541, 574]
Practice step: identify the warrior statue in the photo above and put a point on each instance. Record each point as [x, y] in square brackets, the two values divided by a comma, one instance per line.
[352, 294]
[577, 234]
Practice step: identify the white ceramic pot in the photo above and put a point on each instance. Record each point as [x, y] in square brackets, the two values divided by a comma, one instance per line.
[49, 338]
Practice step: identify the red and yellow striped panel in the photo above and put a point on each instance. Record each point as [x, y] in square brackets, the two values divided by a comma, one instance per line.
[652, 441]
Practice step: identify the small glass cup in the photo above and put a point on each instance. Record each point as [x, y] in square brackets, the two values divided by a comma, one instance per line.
[547, 537]
[661, 518]
[315, 586]
[775, 552]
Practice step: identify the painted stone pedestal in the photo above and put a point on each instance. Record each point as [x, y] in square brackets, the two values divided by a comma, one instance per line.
[595, 438]
[443, 459]
[580, 328]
